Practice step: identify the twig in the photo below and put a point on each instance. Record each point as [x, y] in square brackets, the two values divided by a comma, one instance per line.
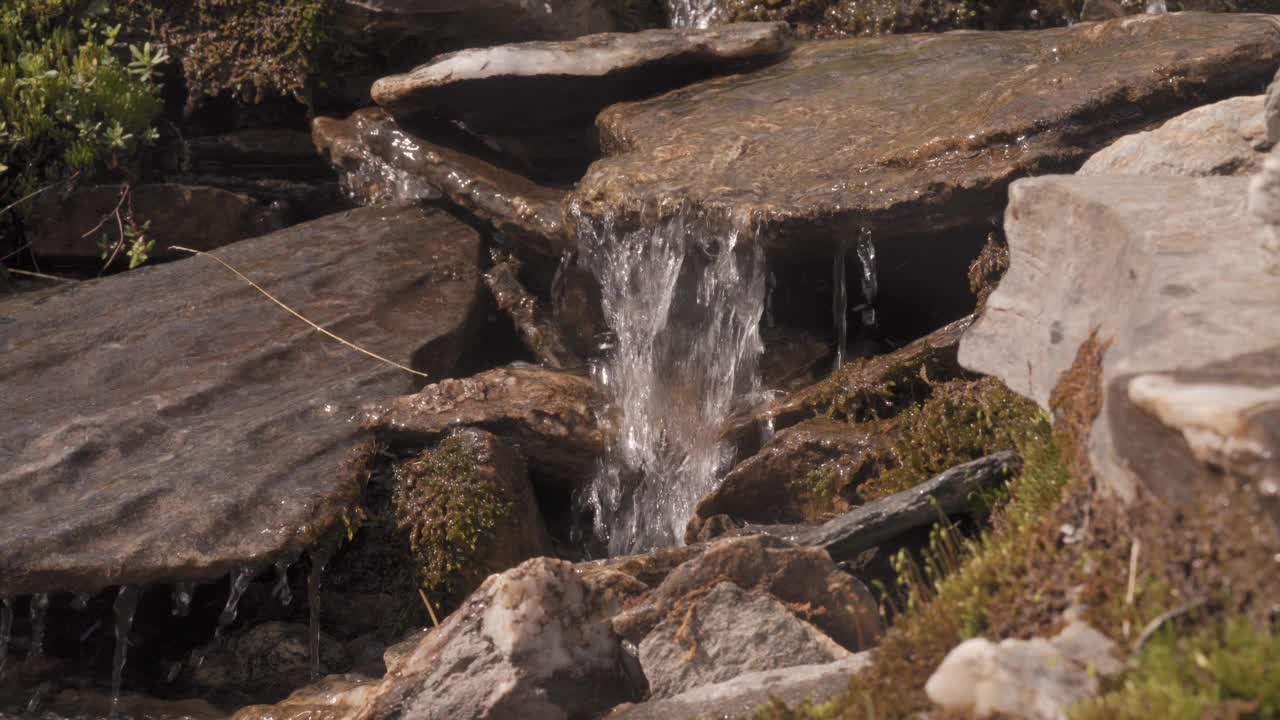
[1163, 618]
[42, 276]
[1134, 549]
[34, 193]
[295, 313]
[430, 611]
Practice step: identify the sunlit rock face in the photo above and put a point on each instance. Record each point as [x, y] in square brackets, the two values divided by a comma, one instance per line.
[175, 424]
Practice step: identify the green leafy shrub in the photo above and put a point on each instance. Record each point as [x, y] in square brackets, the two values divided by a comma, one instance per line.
[71, 98]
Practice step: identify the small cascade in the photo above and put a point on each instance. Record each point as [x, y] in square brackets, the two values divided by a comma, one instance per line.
[239, 583]
[6, 631]
[125, 606]
[319, 559]
[1157, 7]
[692, 13]
[37, 611]
[870, 284]
[281, 591]
[840, 300]
[684, 300]
[183, 591]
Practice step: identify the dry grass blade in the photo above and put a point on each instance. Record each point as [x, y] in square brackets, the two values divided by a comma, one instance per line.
[296, 314]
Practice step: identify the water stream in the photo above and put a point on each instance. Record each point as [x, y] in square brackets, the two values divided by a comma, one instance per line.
[125, 606]
[684, 301]
[691, 13]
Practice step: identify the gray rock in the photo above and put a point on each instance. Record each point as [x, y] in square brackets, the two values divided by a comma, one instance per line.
[551, 415]
[533, 93]
[1173, 271]
[1033, 679]
[739, 698]
[382, 163]
[199, 217]
[1225, 138]
[177, 425]
[1264, 204]
[1272, 111]
[264, 660]
[814, 149]
[725, 633]
[880, 521]
[532, 643]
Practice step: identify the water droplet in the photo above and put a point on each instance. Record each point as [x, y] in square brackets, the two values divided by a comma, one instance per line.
[125, 606]
[281, 590]
[183, 591]
[319, 559]
[81, 601]
[239, 583]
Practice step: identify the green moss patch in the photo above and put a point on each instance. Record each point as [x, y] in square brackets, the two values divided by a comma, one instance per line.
[451, 511]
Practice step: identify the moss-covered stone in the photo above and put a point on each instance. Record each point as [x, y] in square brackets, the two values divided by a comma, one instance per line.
[961, 421]
[987, 269]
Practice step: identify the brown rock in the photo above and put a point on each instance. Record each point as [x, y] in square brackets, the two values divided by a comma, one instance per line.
[383, 163]
[198, 217]
[550, 415]
[531, 317]
[814, 149]
[177, 425]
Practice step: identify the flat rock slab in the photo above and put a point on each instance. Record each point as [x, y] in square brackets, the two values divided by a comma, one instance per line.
[1225, 138]
[536, 87]
[171, 423]
[1174, 272]
[385, 163]
[911, 134]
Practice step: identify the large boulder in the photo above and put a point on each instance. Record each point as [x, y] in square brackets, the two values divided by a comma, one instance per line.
[529, 96]
[551, 415]
[533, 642]
[381, 163]
[174, 424]
[1225, 138]
[813, 149]
[1174, 273]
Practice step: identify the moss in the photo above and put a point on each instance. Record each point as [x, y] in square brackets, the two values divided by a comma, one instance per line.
[987, 269]
[252, 49]
[451, 512]
[823, 491]
[960, 422]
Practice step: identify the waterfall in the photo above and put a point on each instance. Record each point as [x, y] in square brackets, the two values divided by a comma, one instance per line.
[692, 13]
[1157, 7]
[684, 302]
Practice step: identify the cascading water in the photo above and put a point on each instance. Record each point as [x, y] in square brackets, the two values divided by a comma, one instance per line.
[684, 303]
[866, 250]
[692, 13]
[125, 606]
[1157, 7]
[870, 285]
[840, 300]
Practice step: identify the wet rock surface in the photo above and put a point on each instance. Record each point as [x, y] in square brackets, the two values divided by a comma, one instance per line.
[265, 660]
[532, 642]
[194, 216]
[725, 633]
[1225, 138]
[545, 91]
[741, 697]
[549, 414]
[141, 392]
[385, 164]
[1173, 272]
[814, 149]
[332, 698]
[867, 526]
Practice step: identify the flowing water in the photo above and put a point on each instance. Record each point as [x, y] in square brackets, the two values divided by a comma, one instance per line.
[125, 606]
[1157, 7]
[692, 13]
[684, 303]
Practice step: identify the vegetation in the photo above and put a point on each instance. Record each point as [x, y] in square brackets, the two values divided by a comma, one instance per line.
[74, 99]
[451, 512]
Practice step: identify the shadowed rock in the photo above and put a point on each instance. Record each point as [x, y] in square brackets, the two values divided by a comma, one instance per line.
[547, 93]
[1174, 272]
[532, 319]
[171, 423]
[549, 414]
[814, 148]
[1225, 138]
[880, 521]
[382, 163]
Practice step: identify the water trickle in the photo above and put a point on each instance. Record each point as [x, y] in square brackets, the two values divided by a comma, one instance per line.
[6, 630]
[125, 606]
[1157, 7]
[38, 696]
[840, 299]
[319, 559]
[80, 602]
[692, 13]
[684, 302]
[239, 583]
[870, 284]
[37, 611]
[281, 590]
[183, 591]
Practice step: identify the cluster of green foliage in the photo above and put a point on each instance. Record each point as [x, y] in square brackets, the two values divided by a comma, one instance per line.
[73, 97]
[960, 422]
[451, 512]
